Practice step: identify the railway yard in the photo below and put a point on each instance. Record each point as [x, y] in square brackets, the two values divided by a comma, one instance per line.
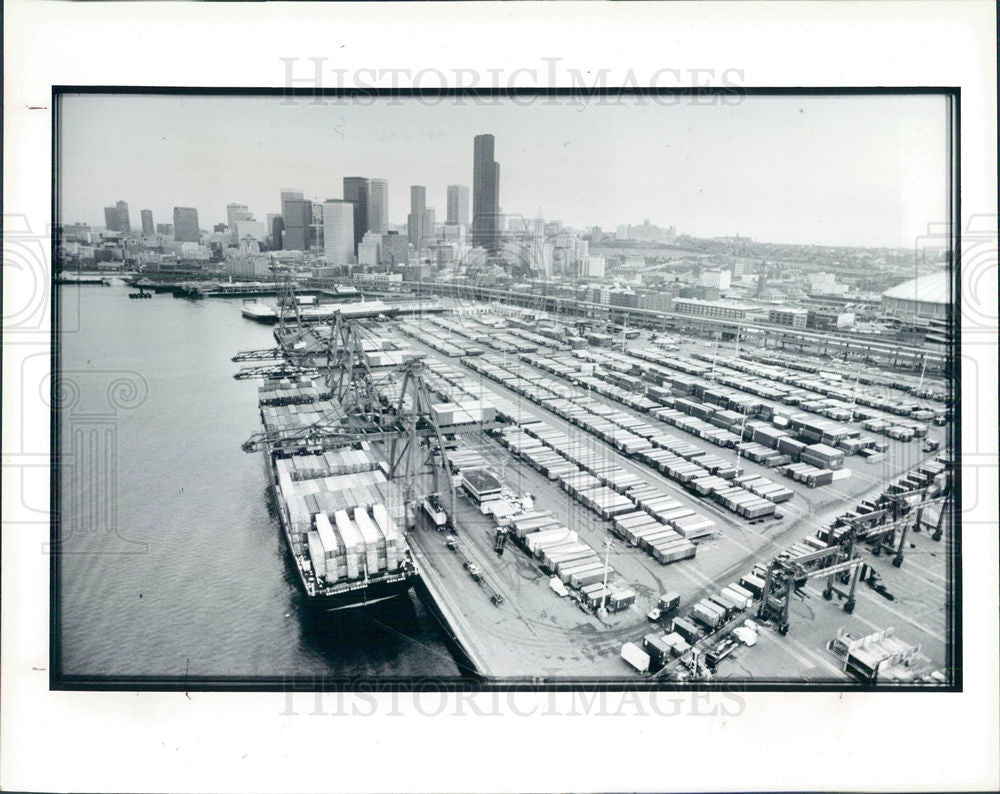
[668, 508]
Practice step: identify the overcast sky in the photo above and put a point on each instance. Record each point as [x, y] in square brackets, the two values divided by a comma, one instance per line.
[828, 170]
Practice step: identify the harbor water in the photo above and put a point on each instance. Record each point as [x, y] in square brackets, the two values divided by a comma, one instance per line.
[172, 562]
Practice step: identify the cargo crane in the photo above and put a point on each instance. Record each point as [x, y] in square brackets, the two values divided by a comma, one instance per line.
[409, 429]
[415, 421]
[901, 512]
[348, 374]
[785, 576]
[403, 429]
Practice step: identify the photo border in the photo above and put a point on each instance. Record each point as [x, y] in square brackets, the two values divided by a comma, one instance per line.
[310, 682]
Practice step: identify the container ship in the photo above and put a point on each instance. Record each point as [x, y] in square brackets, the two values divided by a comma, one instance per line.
[341, 516]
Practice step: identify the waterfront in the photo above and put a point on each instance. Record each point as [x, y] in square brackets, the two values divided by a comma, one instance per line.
[156, 460]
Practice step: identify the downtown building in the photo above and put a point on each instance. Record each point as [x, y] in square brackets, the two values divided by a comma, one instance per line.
[377, 206]
[234, 214]
[338, 232]
[186, 228]
[356, 191]
[485, 194]
[148, 228]
[116, 218]
[420, 221]
[458, 205]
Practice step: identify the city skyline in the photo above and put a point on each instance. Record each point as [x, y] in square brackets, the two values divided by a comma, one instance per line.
[776, 169]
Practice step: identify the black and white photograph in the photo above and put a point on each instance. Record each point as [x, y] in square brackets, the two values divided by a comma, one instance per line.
[550, 389]
[488, 396]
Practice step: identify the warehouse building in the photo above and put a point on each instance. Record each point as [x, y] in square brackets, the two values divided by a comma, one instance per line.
[791, 318]
[925, 296]
[721, 309]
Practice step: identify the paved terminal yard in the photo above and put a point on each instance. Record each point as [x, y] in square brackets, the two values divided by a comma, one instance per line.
[534, 634]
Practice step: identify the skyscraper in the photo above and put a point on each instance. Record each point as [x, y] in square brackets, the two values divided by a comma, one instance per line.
[186, 228]
[122, 207]
[116, 218]
[485, 194]
[395, 250]
[338, 231]
[234, 214]
[415, 220]
[378, 206]
[356, 191]
[147, 222]
[297, 214]
[288, 196]
[458, 204]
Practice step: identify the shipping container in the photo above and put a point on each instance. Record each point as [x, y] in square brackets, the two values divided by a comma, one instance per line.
[636, 657]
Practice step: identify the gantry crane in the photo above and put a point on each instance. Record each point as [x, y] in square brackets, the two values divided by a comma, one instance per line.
[360, 411]
[899, 511]
[787, 575]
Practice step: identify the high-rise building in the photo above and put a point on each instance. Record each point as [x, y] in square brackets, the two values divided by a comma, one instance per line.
[116, 218]
[274, 227]
[297, 214]
[186, 228]
[316, 227]
[165, 228]
[427, 227]
[378, 206]
[122, 208]
[370, 250]
[458, 204]
[485, 194]
[338, 231]
[288, 196]
[356, 191]
[395, 250]
[253, 229]
[415, 220]
[147, 222]
[234, 214]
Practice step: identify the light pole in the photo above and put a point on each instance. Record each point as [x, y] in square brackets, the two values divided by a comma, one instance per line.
[604, 586]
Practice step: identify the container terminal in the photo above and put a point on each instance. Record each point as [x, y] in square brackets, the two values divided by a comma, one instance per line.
[659, 509]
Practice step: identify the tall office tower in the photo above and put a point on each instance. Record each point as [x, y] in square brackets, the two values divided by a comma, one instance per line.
[275, 230]
[378, 206]
[147, 222]
[356, 191]
[458, 204]
[485, 194]
[123, 220]
[370, 250]
[427, 227]
[288, 196]
[338, 231]
[298, 224]
[234, 214]
[116, 218]
[415, 220]
[316, 227]
[395, 250]
[186, 229]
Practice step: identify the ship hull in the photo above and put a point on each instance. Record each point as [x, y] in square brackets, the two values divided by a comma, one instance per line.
[348, 596]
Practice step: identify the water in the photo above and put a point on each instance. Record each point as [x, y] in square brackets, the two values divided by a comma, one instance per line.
[172, 564]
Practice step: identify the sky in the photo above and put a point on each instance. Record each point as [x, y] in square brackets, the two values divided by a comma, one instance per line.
[830, 170]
